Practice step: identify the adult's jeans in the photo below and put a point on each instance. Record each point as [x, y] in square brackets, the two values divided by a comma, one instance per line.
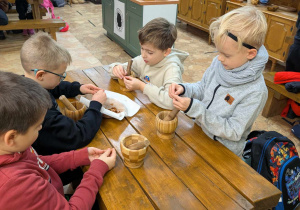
[3, 18]
[3, 21]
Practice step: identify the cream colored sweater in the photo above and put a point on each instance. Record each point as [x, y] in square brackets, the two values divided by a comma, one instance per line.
[158, 77]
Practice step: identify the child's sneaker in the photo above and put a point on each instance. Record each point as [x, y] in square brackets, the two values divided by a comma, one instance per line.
[30, 31]
[25, 33]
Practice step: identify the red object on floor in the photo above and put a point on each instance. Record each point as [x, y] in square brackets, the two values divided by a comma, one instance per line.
[286, 76]
[295, 107]
[63, 29]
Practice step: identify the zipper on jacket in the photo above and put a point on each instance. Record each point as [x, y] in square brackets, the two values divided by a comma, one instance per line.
[213, 96]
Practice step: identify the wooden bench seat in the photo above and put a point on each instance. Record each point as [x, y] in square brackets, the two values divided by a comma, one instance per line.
[277, 96]
[50, 25]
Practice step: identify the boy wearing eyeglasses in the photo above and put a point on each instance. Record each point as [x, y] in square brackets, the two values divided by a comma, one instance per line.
[46, 62]
[232, 92]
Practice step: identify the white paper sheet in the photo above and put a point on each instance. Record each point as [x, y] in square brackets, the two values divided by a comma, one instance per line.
[131, 107]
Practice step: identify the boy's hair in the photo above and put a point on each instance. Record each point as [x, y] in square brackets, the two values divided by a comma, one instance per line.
[23, 102]
[41, 51]
[159, 32]
[247, 23]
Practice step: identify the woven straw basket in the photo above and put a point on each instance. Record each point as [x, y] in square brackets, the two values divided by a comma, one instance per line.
[133, 158]
[165, 129]
[77, 115]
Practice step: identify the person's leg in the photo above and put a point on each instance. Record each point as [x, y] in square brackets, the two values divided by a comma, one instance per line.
[3, 21]
[21, 7]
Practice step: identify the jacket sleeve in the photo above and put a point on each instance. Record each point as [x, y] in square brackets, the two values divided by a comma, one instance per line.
[135, 67]
[67, 160]
[233, 127]
[60, 133]
[66, 88]
[31, 191]
[196, 90]
[160, 95]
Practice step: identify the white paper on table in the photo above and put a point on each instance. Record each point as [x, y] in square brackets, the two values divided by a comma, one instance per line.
[131, 107]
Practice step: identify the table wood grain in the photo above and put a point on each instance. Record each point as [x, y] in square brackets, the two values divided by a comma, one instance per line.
[190, 171]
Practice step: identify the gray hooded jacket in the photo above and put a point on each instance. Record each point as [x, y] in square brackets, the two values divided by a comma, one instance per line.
[225, 103]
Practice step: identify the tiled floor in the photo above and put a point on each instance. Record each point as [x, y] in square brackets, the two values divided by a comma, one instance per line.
[89, 46]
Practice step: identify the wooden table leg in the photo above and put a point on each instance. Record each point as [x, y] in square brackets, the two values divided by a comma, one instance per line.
[53, 33]
[209, 39]
[273, 64]
[273, 105]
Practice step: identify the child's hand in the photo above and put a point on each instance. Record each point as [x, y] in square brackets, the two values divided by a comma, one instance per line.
[175, 90]
[119, 72]
[181, 103]
[109, 157]
[89, 89]
[94, 153]
[100, 96]
[133, 83]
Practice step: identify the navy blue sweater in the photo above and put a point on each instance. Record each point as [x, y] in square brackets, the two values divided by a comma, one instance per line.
[60, 133]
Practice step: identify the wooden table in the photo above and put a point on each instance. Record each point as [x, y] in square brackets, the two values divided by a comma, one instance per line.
[190, 171]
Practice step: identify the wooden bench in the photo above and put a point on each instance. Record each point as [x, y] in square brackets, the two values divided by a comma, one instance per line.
[277, 96]
[50, 25]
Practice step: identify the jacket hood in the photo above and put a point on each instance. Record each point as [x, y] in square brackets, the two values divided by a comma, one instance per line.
[176, 56]
[11, 158]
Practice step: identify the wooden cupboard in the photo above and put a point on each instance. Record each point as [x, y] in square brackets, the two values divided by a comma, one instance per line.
[281, 29]
[199, 13]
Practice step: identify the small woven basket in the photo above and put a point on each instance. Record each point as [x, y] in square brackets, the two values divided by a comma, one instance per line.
[133, 158]
[75, 115]
[165, 129]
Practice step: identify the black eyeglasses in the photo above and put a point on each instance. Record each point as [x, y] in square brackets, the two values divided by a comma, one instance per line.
[62, 77]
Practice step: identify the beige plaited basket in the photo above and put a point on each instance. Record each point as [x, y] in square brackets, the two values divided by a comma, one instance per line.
[165, 129]
[133, 158]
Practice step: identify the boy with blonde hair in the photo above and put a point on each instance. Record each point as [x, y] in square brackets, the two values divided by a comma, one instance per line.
[45, 61]
[158, 66]
[232, 92]
[31, 181]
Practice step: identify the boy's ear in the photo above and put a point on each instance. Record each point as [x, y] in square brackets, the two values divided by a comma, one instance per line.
[9, 137]
[167, 52]
[40, 75]
[251, 54]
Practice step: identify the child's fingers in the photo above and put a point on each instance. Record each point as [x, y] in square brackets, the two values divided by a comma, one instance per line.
[107, 152]
[113, 153]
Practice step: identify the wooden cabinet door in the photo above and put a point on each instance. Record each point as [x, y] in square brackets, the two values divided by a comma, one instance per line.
[230, 7]
[108, 15]
[212, 9]
[196, 10]
[278, 30]
[184, 7]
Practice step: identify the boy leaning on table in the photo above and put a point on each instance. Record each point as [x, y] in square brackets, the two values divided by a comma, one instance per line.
[31, 181]
[158, 65]
[45, 62]
[232, 92]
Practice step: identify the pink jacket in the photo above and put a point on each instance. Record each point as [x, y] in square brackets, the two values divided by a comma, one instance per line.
[27, 182]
